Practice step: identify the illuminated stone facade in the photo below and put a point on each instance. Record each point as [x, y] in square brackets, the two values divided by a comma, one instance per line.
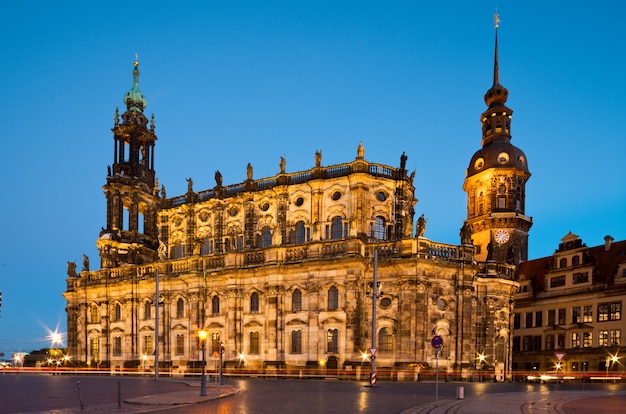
[278, 269]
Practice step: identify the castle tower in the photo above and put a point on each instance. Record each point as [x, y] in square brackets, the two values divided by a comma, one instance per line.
[131, 234]
[495, 183]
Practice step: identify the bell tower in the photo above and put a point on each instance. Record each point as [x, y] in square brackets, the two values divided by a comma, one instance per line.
[131, 235]
[495, 183]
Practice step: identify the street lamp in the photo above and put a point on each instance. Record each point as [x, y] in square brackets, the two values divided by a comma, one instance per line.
[481, 361]
[202, 335]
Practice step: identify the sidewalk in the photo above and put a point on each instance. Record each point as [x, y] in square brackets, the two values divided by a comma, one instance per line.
[566, 402]
[152, 403]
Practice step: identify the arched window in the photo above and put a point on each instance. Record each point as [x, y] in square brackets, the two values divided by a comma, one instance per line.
[333, 298]
[296, 300]
[379, 229]
[147, 310]
[254, 303]
[300, 232]
[332, 341]
[117, 312]
[180, 344]
[254, 342]
[336, 227]
[215, 305]
[385, 341]
[177, 250]
[575, 260]
[563, 263]
[266, 238]
[296, 342]
[206, 247]
[180, 308]
[95, 315]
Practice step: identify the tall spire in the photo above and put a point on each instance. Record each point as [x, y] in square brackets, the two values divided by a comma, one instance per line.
[496, 68]
[134, 99]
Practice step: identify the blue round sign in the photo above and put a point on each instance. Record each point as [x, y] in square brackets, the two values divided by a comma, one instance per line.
[437, 341]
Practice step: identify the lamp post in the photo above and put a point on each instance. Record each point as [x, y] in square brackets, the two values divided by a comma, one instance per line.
[202, 335]
[221, 359]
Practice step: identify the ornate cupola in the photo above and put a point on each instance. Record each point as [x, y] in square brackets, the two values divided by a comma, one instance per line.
[131, 234]
[495, 182]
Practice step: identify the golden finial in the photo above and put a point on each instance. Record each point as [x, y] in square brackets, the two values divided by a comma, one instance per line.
[136, 59]
[496, 19]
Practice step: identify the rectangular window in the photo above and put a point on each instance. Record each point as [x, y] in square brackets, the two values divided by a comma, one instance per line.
[296, 342]
[517, 321]
[560, 341]
[549, 342]
[529, 320]
[332, 341]
[95, 349]
[576, 317]
[538, 319]
[615, 337]
[609, 311]
[180, 344]
[95, 317]
[587, 313]
[254, 343]
[557, 281]
[537, 343]
[575, 339]
[580, 277]
[148, 345]
[215, 342]
[551, 317]
[117, 346]
[603, 338]
[561, 317]
[587, 339]
[527, 343]
[516, 344]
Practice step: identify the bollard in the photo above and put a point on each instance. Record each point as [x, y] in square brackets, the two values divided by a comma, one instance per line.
[119, 395]
[460, 393]
[80, 396]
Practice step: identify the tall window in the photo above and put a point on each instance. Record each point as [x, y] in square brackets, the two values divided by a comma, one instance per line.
[266, 238]
[254, 302]
[215, 305]
[254, 343]
[587, 313]
[95, 315]
[549, 342]
[296, 342]
[587, 339]
[180, 308]
[296, 300]
[95, 349]
[551, 317]
[300, 232]
[148, 346]
[576, 339]
[177, 250]
[332, 341]
[538, 319]
[603, 338]
[385, 341]
[117, 345]
[562, 316]
[615, 337]
[576, 316]
[336, 228]
[380, 229]
[117, 312]
[180, 344]
[206, 247]
[215, 342]
[333, 298]
[147, 310]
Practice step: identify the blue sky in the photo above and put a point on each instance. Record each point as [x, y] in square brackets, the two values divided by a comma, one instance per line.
[237, 82]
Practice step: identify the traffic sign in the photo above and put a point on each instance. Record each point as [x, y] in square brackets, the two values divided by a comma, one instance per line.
[559, 356]
[373, 351]
[437, 342]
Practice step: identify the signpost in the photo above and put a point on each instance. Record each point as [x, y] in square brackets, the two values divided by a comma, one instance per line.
[437, 343]
[559, 356]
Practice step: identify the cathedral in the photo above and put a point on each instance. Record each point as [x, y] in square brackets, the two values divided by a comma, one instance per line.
[313, 271]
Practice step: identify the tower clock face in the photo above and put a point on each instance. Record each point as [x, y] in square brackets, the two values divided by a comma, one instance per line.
[501, 236]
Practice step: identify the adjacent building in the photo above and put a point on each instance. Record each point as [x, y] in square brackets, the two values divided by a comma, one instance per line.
[279, 270]
[569, 308]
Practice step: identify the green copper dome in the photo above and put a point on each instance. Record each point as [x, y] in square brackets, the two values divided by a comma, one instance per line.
[134, 99]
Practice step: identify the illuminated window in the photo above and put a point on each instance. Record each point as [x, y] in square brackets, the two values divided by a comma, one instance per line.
[95, 349]
[215, 342]
[603, 338]
[615, 337]
[587, 313]
[587, 339]
[576, 339]
[332, 341]
[95, 315]
[609, 311]
[148, 345]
